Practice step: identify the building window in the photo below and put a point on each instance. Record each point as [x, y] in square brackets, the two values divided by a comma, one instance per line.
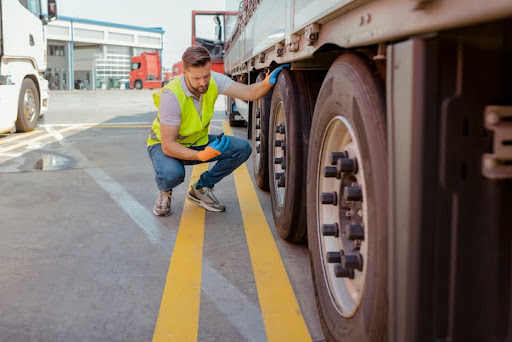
[56, 50]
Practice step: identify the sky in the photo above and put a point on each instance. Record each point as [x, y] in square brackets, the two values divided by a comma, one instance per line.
[175, 17]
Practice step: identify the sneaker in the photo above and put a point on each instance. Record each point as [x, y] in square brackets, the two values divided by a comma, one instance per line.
[205, 198]
[162, 205]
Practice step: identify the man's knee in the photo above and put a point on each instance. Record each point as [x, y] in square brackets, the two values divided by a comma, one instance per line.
[172, 179]
[246, 150]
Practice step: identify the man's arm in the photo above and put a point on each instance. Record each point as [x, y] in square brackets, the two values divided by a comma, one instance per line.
[171, 147]
[256, 90]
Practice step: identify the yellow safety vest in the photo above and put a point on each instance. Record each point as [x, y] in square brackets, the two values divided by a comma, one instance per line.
[193, 128]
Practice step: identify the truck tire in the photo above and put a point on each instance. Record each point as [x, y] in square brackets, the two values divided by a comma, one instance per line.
[137, 84]
[289, 126]
[347, 197]
[28, 106]
[260, 116]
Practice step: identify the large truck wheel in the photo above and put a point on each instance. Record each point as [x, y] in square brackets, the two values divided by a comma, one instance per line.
[138, 84]
[289, 126]
[260, 116]
[28, 106]
[347, 196]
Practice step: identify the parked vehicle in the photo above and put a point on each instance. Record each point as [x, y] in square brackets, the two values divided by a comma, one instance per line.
[387, 145]
[177, 68]
[210, 29]
[24, 92]
[146, 72]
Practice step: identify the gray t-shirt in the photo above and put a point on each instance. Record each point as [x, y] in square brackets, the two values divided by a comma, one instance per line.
[170, 111]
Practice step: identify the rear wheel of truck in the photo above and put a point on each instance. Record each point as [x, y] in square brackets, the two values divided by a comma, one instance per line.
[289, 125]
[347, 196]
[260, 117]
[28, 106]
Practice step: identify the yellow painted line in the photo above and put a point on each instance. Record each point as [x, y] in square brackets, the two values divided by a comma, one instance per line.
[118, 126]
[18, 136]
[178, 318]
[281, 312]
[25, 143]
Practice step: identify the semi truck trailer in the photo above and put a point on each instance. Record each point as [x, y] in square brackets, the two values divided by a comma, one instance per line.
[23, 90]
[387, 146]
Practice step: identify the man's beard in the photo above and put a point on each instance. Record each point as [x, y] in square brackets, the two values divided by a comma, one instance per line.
[201, 90]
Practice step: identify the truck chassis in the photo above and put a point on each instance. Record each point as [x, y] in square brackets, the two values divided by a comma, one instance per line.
[388, 146]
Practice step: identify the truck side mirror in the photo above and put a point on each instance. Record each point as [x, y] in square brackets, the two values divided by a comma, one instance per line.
[52, 10]
[218, 28]
[218, 32]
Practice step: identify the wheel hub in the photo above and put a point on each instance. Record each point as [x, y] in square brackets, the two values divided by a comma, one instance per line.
[280, 154]
[343, 233]
[29, 105]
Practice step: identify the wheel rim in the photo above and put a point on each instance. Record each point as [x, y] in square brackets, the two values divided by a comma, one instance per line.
[280, 154]
[342, 216]
[257, 135]
[29, 105]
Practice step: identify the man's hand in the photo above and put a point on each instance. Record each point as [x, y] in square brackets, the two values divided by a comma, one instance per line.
[214, 149]
[271, 79]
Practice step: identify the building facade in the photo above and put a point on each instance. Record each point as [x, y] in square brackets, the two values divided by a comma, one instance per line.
[89, 54]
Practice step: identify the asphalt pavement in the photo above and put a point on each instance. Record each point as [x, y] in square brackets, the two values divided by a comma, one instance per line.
[82, 257]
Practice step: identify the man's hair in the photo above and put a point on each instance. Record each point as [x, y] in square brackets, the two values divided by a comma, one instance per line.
[195, 56]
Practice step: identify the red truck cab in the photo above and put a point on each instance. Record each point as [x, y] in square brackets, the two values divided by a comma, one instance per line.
[146, 72]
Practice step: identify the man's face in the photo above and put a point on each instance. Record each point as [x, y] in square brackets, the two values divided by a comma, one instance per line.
[198, 78]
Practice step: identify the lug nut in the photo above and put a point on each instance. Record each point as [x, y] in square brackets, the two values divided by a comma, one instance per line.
[278, 175]
[341, 272]
[353, 193]
[278, 160]
[282, 129]
[337, 155]
[278, 143]
[281, 181]
[258, 126]
[346, 165]
[258, 148]
[258, 113]
[283, 146]
[329, 198]
[330, 171]
[258, 138]
[330, 229]
[352, 261]
[334, 257]
[278, 128]
[354, 232]
[283, 165]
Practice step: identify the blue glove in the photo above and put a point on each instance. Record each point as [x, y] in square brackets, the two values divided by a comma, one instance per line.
[271, 79]
[214, 149]
[220, 144]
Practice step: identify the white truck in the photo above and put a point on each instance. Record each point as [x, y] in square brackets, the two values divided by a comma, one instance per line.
[23, 90]
[388, 146]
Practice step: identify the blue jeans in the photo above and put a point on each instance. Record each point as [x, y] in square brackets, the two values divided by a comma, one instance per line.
[170, 172]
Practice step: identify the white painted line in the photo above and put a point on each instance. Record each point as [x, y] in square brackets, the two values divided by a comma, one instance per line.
[242, 314]
[54, 133]
[144, 219]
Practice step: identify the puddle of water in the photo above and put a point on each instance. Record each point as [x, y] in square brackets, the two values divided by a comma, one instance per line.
[38, 162]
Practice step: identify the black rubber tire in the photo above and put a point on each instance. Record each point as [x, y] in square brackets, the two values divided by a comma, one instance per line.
[290, 218]
[24, 124]
[260, 165]
[137, 84]
[351, 90]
